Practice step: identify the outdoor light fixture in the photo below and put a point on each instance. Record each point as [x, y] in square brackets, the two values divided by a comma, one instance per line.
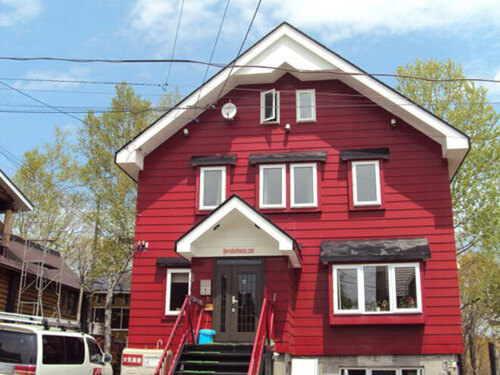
[186, 132]
[141, 246]
[393, 122]
[288, 128]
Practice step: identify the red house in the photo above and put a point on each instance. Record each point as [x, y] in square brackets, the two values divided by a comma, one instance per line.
[318, 197]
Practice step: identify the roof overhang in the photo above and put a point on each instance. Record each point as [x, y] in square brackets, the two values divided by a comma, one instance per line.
[237, 229]
[19, 201]
[287, 47]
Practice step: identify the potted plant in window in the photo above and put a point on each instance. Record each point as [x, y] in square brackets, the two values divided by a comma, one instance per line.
[383, 306]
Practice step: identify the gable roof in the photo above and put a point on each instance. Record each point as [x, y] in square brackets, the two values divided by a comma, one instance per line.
[18, 200]
[284, 48]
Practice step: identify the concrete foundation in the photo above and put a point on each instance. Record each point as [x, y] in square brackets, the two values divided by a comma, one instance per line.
[441, 364]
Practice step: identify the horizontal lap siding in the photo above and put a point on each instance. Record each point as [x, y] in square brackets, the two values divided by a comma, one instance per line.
[417, 204]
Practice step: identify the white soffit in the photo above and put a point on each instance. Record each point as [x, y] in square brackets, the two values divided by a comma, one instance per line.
[237, 229]
[287, 47]
[22, 203]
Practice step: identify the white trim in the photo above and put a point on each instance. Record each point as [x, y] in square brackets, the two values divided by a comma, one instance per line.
[288, 47]
[285, 243]
[202, 186]
[170, 271]
[275, 118]
[20, 200]
[392, 289]
[298, 105]
[314, 203]
[283, 185]
[355, 201]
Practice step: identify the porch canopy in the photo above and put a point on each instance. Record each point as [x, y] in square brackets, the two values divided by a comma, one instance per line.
[236, 229]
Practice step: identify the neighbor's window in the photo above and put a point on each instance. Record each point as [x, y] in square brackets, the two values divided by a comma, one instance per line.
[270, 106]
[272, 181]
[306, 105]
[380, 371]
[366, 183]
[303, 185]
[212, 187]
[377, 288]
[178, 286]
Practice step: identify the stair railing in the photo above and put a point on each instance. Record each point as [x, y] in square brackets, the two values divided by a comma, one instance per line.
[190, 313]
[265, 334]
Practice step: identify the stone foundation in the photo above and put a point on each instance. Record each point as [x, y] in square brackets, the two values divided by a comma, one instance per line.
[440, 364]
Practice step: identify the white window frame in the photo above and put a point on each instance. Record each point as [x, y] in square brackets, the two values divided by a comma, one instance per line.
[283, 185]
[292, 185]
[399, 370]
[202, 186]
[376, 202]
[276, 99]
[298, 105]
[393, 309]
[169, 284]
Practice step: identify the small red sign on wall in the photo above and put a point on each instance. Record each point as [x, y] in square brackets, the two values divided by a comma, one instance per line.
[132, 360]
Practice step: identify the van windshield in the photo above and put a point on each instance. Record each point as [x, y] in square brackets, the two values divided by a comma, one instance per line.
[17, 347]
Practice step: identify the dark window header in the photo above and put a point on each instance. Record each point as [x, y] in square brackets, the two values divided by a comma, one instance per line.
[172, 262]
[375, 250]
[366, 153]
[212, 160]
[288, 157]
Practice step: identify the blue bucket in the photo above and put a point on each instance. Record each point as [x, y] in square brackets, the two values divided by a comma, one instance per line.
[206, 336]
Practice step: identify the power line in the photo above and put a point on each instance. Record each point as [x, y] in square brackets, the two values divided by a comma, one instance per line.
[220, 65]
[239, 51]
[80, 81]
[175, 43]
[213, 50]
[40, 101]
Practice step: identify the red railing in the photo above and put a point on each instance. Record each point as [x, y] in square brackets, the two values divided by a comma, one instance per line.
[191, 312]
[265, 334]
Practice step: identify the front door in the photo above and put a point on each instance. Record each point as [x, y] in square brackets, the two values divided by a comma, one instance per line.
[239, 287]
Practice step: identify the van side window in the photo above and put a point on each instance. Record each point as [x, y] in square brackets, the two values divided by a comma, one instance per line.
[95, 354]
[62, 350]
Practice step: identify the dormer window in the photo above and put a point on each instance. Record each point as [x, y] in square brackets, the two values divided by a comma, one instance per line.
[270, 107]
[212, 187]
[306, 105]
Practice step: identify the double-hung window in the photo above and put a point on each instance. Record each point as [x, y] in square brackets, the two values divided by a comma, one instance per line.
[272, 181]
[377, 288]
[305, 105]
[212, 187]
[303, 185]
[366, 189]
[178, 285]
[270, 107]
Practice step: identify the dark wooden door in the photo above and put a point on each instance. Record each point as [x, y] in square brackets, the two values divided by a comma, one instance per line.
[239, 288]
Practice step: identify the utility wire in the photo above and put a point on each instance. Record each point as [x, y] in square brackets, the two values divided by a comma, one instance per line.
[239, 51]
[213, 50]
[80, 81]
[220, 65]
[41, 102]
[175, 43]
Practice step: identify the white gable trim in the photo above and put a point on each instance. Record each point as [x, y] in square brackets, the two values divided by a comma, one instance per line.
[287, 47]
[22, 203]
[286, 244]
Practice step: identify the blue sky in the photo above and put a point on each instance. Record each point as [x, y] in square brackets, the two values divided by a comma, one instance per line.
[377, 35]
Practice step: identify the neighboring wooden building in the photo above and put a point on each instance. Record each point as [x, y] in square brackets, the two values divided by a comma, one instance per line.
[119, 314]
[325, 187]
[40, 267]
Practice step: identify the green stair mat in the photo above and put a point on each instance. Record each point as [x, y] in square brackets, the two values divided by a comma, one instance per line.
[190, 361]
[202, 352]
[196, 372]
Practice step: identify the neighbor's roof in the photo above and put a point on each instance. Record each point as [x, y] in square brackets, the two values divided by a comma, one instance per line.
[15, 199]
[284, 48]
[34, 255]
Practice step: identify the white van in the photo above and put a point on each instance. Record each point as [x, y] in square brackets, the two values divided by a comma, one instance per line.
[38, 350]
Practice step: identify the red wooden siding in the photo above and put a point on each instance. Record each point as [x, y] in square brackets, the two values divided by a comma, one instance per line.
[416, 200]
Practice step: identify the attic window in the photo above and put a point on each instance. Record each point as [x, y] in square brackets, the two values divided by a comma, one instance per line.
[306, 105]
[269, 107]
